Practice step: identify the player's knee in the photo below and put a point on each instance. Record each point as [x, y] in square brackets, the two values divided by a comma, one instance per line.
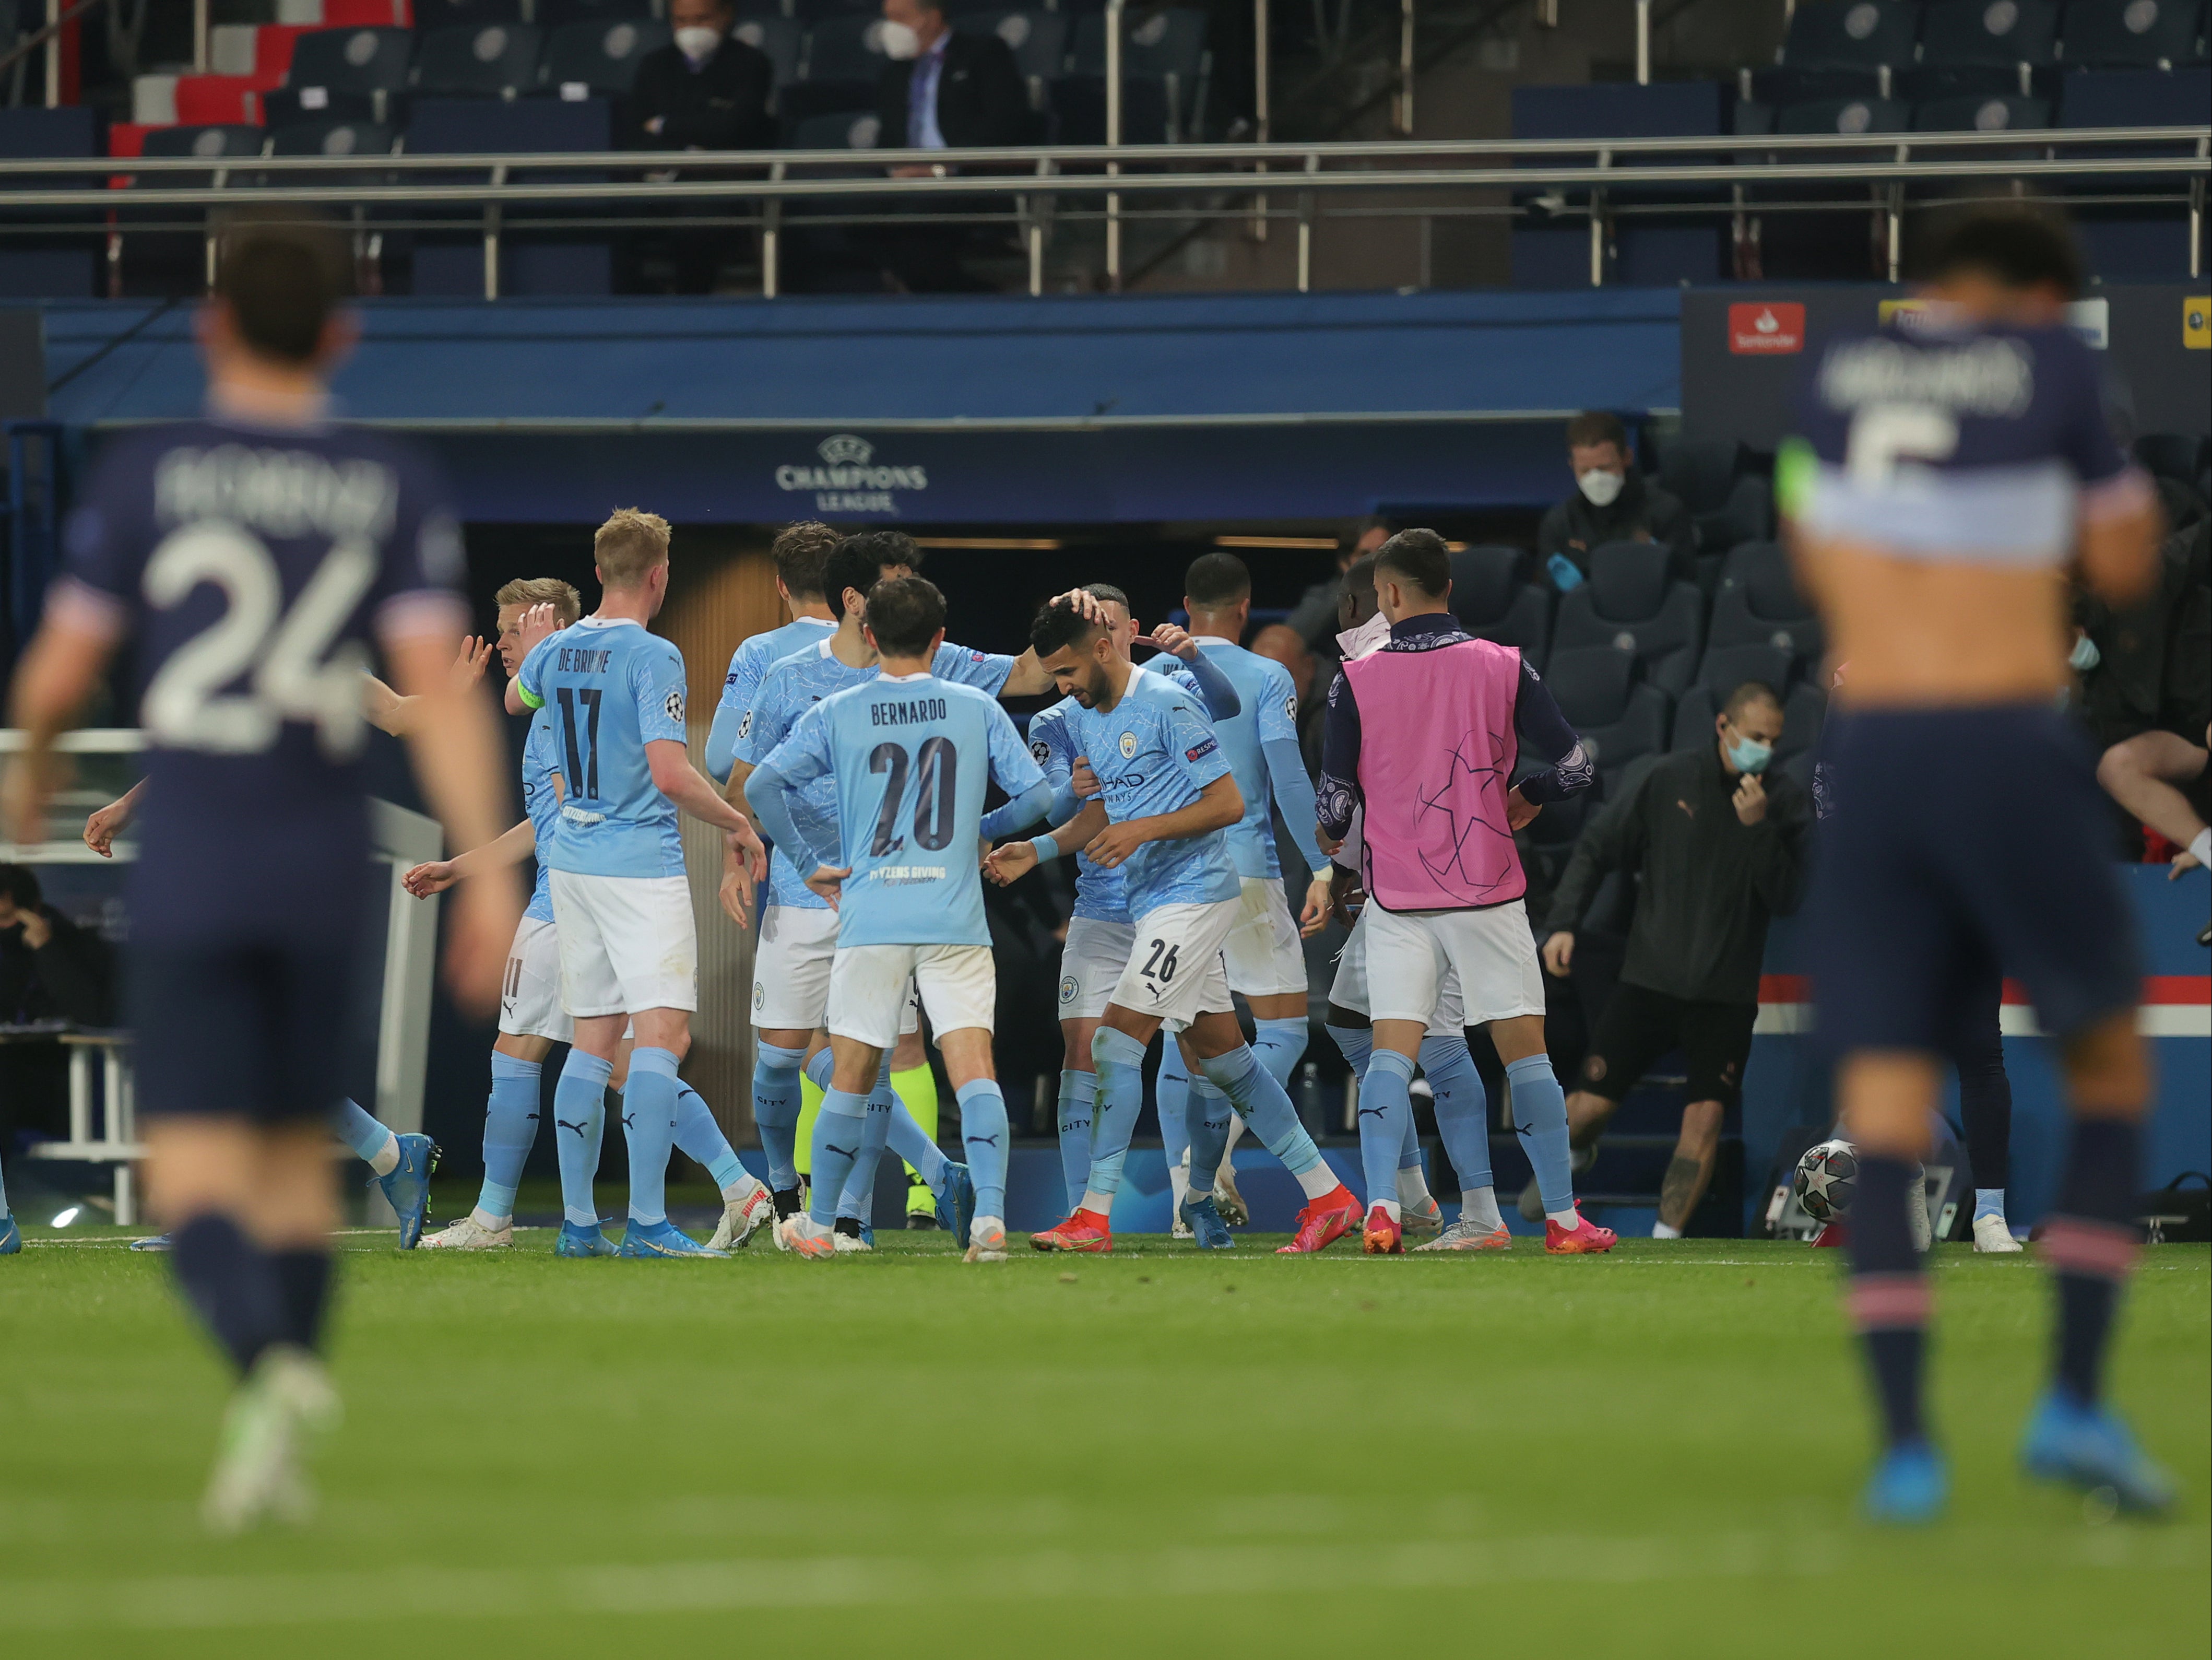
[1701, 1128]
[2108, 1068]
[2118, 766]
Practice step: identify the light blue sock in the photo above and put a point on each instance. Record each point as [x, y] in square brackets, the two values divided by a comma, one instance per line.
[820, 1069]
[1171, 1087]
[649, 1128]
[1119, 1060]
[579, 1114]
[1463, 1109]
[1989, 1202]
[910, 1142]
[366, 1137]
[1280, 1045]
[1539, 1112]
[1385, 1109]
[4, 1212]
[775, 1110]
[837, 1131]
[1079, 1095]
[700, 1139]
[1206, 1118]
[983, 1131]
[1263, 1103]
[1356, 1042]
[510, 1126]
[858, 1199]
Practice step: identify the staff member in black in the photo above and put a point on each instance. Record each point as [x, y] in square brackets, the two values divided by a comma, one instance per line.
[1720, 846]
[706, 90]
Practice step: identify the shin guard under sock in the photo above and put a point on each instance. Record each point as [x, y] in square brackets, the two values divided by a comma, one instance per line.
[838, 1129]
[775, 1110]
[1888, 1295]
[233, 1285]
[303, 1290]
[2091, 1244]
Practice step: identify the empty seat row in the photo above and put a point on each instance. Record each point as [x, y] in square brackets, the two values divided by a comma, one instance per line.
[2084, 100]
[548, 14]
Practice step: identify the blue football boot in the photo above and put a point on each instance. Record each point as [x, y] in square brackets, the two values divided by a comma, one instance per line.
[1908, 1488]
[159, 1242]
[2089, 1447]
[11, 1237]
[582, 1242]
[956, 1204]
[408, 1187]
[662, 1238]
[1204, 1221]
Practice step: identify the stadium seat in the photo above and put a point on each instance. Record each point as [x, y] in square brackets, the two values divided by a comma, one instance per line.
[1758, 605]
[1618, 718]
[1166, 48]
[1629, 605]
[342, 75]
[213, 142]
[432, 15]
[1038, 40]
[496, 60]
[2179, 456]
[1079, 103]
[331, 138]
[857, 130]
[1493, 603]
[780, 40]
[1727, 506]
[2130, 34]
[1840, 49]
[1982, 47]
[558, 14]
[1982, 113]
[1844, 115]
[543, 262]
[2125, 242]
[598, 58]
[37, 268]
[1803, 713]
[847, 52]
[1726, 667]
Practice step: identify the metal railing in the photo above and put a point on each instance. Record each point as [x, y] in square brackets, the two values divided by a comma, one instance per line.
[1032, 188]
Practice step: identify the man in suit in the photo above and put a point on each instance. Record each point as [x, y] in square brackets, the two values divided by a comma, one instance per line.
[706, 90]
[943, 90]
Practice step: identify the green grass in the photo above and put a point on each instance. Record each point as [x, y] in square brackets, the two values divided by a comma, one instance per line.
[1152, 1454]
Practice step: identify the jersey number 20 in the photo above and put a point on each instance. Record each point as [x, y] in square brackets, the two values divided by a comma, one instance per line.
[936, 790]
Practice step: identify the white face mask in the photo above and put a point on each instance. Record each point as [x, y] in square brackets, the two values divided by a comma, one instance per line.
[899, 41]
[699, 43]
[1355, 643]
[1602, 488]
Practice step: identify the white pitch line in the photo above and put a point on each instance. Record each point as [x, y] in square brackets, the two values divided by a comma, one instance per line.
[244, 1601]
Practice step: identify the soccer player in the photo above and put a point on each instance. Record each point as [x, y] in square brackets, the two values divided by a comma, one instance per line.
[1267, 963]
[1946, 477]
[1099, 932]
[799, 551]
[1167, 798]
[1423, 736]
[909, 756]
[531, 1019]
[251, 557]
[621, 910]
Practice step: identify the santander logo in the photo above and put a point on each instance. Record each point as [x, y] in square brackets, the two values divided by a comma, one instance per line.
[1760, 328]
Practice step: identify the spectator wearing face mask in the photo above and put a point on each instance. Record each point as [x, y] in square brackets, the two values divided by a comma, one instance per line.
[1719, 842]
[706, 91]
[1612, 504]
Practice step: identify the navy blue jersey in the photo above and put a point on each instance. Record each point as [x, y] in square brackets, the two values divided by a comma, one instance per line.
[251, 568]
[1941, 439]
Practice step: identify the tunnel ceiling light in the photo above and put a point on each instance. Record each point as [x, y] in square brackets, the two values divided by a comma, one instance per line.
[992, 543]
[1316, 544]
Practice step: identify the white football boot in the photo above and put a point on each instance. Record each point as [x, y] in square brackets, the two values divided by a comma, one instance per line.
[469, 1234]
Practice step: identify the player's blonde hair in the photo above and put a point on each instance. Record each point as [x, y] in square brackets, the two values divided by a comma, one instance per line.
[630, 544]
[527, 590]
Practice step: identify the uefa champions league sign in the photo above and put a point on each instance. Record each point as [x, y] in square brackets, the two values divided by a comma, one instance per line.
[849, 479]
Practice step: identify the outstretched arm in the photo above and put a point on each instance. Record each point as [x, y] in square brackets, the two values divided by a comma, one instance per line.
[388, 711]
[511, 848]
[1020, 812]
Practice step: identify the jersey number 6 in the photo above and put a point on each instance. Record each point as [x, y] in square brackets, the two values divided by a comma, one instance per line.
[936, 788]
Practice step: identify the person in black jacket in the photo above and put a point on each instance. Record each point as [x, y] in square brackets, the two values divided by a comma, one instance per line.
[1721, 845]
[50, 968]
[1612, 504]
[707, 90]
[950, 90]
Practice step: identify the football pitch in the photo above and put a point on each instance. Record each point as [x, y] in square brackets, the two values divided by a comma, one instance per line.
[1149, 1454]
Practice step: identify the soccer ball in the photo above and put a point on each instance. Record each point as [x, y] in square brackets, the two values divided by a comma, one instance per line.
[1828, 1177]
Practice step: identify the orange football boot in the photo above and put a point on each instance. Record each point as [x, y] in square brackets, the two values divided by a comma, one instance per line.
[1383, 1236]
[1583, 1239]
[1084, 1231]
[1329, 1217]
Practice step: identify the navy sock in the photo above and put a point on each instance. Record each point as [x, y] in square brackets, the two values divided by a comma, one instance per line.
[303, 1290]
[2090, 1242]
[1079, 1097]
[775, 1110]
[983, 1130]
[580, 1118]
[232, 1284]
[1888, 1296]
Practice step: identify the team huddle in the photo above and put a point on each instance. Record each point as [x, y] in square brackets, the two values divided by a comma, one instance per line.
[865, 747]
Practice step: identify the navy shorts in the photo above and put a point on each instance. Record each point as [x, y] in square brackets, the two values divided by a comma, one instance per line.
[1961, 843]
[253, 1029]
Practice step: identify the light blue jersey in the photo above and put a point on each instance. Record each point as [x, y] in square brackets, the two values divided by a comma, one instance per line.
[1270, 715]
[541, 765]
[794, 684]
[1099, 893]
[749, 667]
[907, 761]
[610, 689]
[1154, 750]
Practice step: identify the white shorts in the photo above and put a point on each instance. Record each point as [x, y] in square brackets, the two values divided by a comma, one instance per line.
[872, 990]
[1090, 965]
[1350, 989]
[1262, 951]
[530, 995]
[627, 943]
[1409, 952]
[1175, 968]
[791, 971]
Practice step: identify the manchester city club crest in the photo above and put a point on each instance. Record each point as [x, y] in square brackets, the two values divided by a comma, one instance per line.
[1128, 745]
[1068, 988]
[760, 995]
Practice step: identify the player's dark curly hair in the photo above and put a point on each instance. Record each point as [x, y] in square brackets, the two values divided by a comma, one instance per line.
[1216, 580]
[904, 614]
[1060, 624]
[859, 562]
[282, 272]
[2020, 246]
[800, 550]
